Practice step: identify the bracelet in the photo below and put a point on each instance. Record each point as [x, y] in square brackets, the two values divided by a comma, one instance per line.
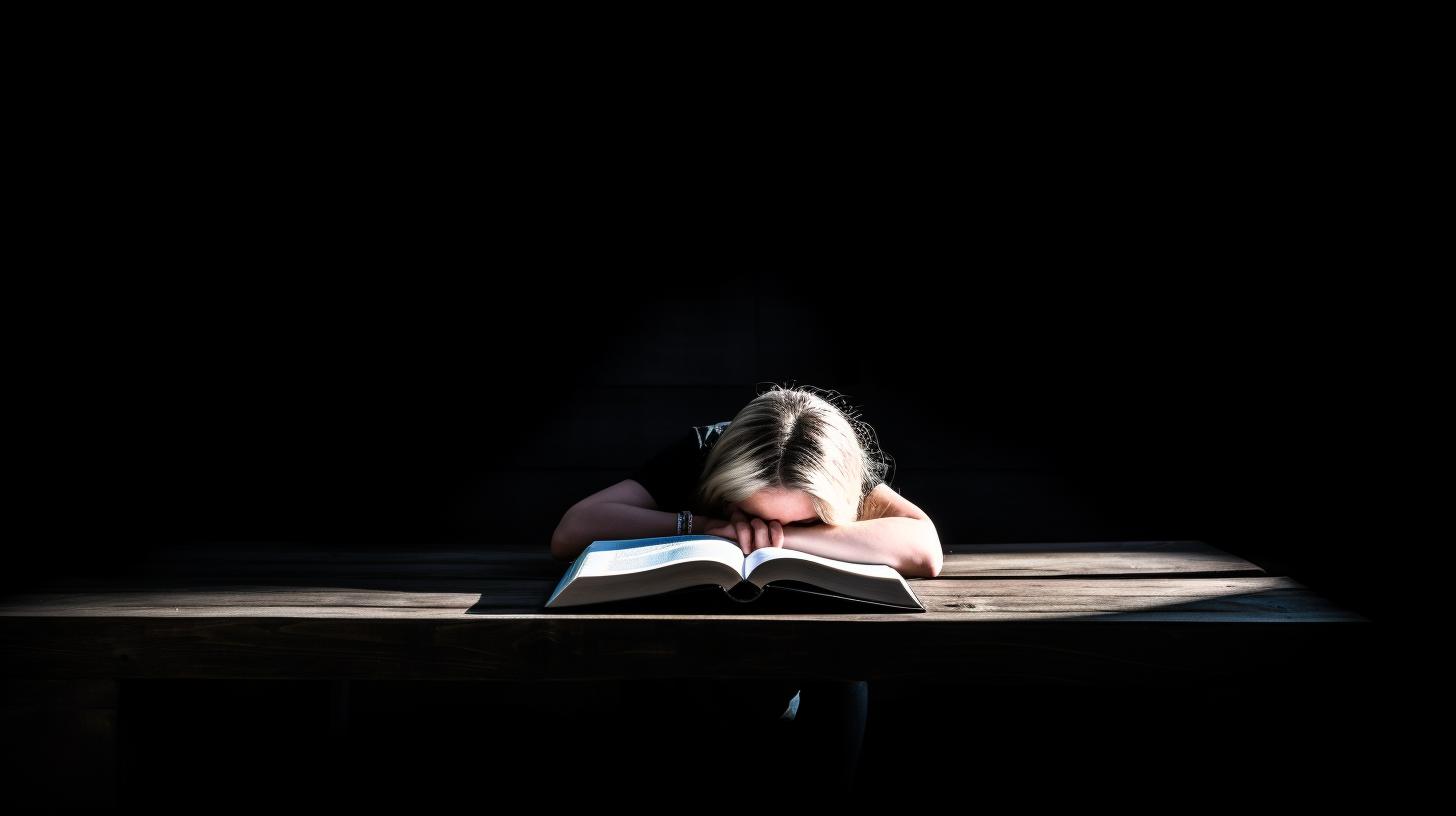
[684, 522]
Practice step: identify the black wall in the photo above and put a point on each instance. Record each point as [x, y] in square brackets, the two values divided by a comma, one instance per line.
[1018, 406]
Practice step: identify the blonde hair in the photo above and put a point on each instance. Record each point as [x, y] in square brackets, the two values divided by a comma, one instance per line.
[795, 438]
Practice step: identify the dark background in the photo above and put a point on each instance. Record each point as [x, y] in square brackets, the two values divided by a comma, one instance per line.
[1058, 355]
[1163, 282]
[1020, 401]
[1018, 405]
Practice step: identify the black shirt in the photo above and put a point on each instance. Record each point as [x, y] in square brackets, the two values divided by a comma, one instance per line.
[671, 475]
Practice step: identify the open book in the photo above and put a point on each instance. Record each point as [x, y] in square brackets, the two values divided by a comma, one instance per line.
[637, 567]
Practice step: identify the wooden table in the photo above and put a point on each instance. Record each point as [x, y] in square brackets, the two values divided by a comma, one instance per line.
[1164, 613]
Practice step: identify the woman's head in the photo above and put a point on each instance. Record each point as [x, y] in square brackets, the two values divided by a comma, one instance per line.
[794, 456]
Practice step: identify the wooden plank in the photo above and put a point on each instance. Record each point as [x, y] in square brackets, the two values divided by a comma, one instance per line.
[1260, 599]
[1091, 647]
[1186, 558]
[454, 614]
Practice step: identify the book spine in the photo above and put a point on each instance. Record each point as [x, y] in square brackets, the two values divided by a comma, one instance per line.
[744, 592]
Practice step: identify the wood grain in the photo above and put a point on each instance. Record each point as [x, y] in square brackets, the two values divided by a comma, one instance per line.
[1263, 599]
[1185, 558]
[1082, 612]
[1071, 650]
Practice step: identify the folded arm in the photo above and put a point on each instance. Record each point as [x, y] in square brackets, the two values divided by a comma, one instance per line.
[893, 531]
[622, 510]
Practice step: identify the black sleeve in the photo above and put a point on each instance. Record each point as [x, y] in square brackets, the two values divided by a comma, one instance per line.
[670, 475]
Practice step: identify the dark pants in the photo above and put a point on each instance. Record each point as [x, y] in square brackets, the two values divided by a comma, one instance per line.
[830, 729]
[786, 738]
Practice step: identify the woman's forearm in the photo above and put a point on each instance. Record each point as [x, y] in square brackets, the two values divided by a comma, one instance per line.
[602, 520]
[910, 545]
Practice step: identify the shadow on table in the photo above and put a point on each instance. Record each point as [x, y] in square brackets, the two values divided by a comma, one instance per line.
[781, 598]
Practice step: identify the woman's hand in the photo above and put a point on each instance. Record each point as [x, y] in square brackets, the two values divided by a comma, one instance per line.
[707, 525]
[750, 532]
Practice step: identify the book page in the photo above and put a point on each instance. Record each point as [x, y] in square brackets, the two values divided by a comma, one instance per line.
[770, 553]
[618, 557]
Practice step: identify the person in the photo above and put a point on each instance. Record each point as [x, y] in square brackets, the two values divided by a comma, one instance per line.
[794, 468]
